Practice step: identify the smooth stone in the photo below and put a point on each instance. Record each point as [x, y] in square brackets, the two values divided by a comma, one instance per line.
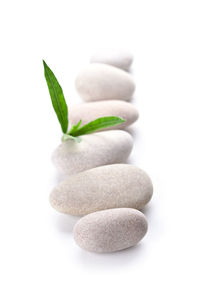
[88, 112]
[104, 82]
[112, 186]
[119, 59]
[97, 149]
[110, 230]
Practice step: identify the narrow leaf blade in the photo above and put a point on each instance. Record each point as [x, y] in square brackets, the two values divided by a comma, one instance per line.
[98, 124]
[75, 127]
[57, 97]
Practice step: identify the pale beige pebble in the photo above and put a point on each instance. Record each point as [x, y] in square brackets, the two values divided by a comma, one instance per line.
[90, 111]
[112, 186]
[104, 82]
[97, 149]
[117, 58]
[110, 230]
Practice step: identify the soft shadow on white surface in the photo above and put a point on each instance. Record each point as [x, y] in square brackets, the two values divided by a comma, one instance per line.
[148, 210]
[56, 178]
[65, 223]
[109, 261]
[131, 70]
[132, 131]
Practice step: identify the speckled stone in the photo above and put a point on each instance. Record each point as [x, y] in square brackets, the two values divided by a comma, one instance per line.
[104, 82]
[97, 149]
[116, 58]
[110, 230]
[90, 111]
[112, 186]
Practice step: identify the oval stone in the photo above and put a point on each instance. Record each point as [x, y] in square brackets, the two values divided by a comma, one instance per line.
[88, 112]
[112, 186]
[97, 149]
[104, 82]
[119, 59]
[110, 230]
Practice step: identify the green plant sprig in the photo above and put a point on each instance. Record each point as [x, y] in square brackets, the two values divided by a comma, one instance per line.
[61, 110]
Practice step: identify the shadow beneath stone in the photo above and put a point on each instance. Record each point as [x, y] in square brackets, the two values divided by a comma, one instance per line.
[147, 210]
[156, 226]
[131, 70]
[111, 260]
[65, 223]
[132, 131]
[131, 161]
[132, 100]
[58, 177]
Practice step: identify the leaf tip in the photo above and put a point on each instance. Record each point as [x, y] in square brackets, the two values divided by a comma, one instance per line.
[44, 63]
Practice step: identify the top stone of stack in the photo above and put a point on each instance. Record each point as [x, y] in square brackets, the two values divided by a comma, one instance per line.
[106, 77]
[118, 59]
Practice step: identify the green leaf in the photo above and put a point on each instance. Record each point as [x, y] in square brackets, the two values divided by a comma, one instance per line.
[75, 127]
[97, 124]
[57, 97]
[67, 137]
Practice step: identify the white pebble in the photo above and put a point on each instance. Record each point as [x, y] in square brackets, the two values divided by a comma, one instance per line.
[104, 82]
[90, 111]
[112, 186]
[110, 230]
[97, 149]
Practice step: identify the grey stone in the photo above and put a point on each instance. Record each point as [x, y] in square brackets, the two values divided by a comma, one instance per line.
[110, 230]
[104, 82]
[90, 111]
[112, 186]
[97, 149]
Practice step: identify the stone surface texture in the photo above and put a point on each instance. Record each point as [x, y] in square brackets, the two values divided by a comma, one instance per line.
[110, 230]
[104, 82]
[111, 186]
[97, 149]
[90, 111]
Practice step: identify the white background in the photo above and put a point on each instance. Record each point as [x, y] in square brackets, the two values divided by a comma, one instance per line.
[39, 259]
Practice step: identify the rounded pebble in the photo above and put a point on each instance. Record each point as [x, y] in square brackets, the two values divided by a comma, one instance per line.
[119, 59]
[112, 186]
[104, 82]
[88, 112]
[97, 149]
[110, 230]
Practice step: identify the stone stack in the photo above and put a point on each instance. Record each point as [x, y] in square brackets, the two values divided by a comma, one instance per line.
[100, 186]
